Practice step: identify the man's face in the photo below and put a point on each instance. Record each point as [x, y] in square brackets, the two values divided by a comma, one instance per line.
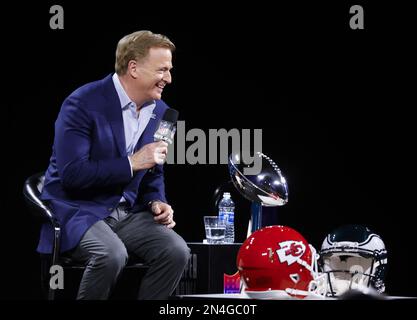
[153, 73]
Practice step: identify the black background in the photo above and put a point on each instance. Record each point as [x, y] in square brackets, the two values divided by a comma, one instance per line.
[335, 106]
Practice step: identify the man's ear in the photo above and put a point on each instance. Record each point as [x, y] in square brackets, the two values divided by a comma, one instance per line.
[132, 68]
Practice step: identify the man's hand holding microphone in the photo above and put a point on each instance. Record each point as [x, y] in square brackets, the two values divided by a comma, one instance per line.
[149, 155]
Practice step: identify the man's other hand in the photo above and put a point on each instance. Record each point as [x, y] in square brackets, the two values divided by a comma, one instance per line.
[163, 213]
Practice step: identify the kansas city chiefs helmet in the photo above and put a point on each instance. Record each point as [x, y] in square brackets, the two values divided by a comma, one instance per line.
[277, 262]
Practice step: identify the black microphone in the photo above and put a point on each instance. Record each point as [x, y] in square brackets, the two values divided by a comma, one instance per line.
[167, 126]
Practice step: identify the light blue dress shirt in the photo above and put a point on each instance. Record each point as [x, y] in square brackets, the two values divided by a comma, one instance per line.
[134, 124]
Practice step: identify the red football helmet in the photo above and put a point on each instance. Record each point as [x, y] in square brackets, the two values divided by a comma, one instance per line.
[277, 262]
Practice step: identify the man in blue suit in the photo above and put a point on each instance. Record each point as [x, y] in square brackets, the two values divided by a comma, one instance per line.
[99, 182]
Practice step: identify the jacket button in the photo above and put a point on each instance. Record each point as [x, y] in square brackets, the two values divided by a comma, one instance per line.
[110, 209]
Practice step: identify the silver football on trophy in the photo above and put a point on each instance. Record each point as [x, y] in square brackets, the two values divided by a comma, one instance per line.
[268, 187]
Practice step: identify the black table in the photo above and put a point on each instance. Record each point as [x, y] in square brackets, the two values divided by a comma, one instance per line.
[208, 264]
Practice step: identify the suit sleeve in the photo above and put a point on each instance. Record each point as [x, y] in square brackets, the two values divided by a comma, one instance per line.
[73, 142]
[152, 186]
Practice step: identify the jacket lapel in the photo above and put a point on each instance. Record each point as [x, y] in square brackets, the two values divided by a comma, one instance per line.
[147, 135]
[115, 118]
[114, 114]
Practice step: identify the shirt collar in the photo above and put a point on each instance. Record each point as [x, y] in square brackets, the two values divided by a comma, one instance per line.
[124, 98]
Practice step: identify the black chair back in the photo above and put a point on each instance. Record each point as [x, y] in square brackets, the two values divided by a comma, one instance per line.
[31, 191]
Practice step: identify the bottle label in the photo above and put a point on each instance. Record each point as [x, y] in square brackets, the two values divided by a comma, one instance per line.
[223, 216]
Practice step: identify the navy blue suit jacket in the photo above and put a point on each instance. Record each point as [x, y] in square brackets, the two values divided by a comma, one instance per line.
[89, 170]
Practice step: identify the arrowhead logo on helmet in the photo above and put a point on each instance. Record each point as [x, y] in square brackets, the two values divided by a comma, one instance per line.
[290, 251]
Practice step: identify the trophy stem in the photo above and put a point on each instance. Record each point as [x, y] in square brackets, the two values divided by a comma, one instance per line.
[256, 216]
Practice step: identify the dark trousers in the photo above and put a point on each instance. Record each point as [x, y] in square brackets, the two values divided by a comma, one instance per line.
[105, 247]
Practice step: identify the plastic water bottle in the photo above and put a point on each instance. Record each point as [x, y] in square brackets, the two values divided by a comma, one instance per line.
[227, 213]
